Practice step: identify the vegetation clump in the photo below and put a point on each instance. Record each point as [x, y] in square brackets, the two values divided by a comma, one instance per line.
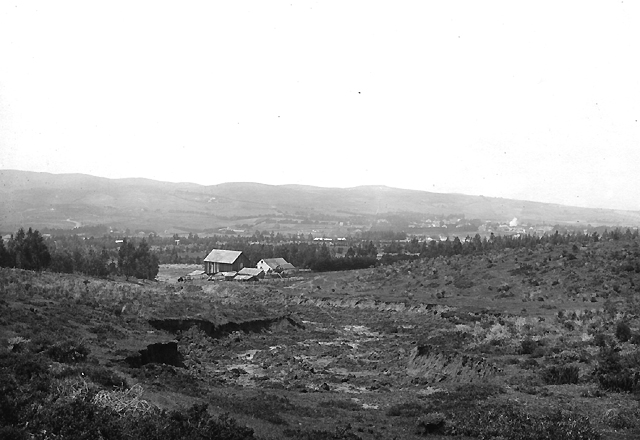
[508, 421]
[34, 402]
[623, 331]
[561, 374]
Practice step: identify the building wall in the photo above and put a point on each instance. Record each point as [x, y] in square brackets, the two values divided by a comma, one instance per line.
[240, 263]
[212, 267]
[264, 266]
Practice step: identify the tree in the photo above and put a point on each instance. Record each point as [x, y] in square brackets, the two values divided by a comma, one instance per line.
[4, 255]
[126, 258]
[323, 253]
[62, 261]
[456, 246]
[28, 251]
[146, 263]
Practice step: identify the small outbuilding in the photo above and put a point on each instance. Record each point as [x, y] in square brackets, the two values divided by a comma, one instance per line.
[221, 260]
[229, 276]
[195, 275]
[252, 272]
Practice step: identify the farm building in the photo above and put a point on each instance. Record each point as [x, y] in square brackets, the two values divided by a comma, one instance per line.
[195, 275]
[275, 265]
[252, 272]
[220, 260]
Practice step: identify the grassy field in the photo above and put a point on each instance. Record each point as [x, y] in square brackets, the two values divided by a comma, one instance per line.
[527, 344]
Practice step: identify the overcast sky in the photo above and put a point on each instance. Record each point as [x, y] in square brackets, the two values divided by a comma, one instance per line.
[532, 100]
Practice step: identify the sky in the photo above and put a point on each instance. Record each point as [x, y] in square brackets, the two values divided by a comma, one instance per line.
[533, 100]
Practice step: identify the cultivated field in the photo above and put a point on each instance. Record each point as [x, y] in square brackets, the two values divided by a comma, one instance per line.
[526, 344]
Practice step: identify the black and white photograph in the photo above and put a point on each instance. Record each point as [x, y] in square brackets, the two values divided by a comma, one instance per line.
[319, 220]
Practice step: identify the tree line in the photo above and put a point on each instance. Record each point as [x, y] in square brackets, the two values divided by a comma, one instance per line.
[29, 250]
[140, 257]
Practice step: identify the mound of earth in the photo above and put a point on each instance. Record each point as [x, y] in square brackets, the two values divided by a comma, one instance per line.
[434, 364]
[175, 325]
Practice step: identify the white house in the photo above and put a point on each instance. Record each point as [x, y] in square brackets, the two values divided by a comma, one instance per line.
[275, 265]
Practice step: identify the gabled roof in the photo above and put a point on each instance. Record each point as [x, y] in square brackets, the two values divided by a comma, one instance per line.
[273, 263]
[223, 256]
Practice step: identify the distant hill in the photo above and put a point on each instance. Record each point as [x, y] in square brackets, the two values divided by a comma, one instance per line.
[67, 200]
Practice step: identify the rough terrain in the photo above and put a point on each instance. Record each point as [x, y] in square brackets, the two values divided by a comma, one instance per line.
[387, 352]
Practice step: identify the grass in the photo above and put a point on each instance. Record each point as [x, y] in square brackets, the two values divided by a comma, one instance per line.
[342, 374]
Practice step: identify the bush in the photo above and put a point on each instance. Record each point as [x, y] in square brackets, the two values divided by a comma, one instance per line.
[600, 340]
[561, 374]
[432, 423]
[68, 352]
[623, 381]
[510, 422]
[623, 332]
[406, 409]
[612, 375]
[30, 406]
[619, 418]
[463, 283]
[528, 346]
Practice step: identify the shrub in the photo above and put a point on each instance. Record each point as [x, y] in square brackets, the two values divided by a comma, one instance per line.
[406, 409]
[348, 405]
[475, 391]
[31, 407]
[104, 376]
[623, 332]
[561, 374]
[612, 375]
[68, 352]
[528, 346]
[463, 283]
[619, 418]
[510, 422]
[599, 340]
[622, 381]
[97, 374]
[17, 344]
[432, 423]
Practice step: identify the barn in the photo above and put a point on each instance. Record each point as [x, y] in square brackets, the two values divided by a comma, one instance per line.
[220, 260]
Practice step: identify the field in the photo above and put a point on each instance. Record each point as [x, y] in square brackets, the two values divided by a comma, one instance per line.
[528, 343]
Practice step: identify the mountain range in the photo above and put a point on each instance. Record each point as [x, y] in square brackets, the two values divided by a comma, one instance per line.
[44, 200]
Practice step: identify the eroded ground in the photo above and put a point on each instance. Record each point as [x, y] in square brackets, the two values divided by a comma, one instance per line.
[388, 352]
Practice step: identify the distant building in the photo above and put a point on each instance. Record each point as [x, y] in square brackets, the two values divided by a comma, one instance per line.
[196, 274]
[251, 272]
[220, 260]
[275, 265]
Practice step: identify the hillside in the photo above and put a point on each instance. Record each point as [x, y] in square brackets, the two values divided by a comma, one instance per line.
[528, 343]
[66, 200]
